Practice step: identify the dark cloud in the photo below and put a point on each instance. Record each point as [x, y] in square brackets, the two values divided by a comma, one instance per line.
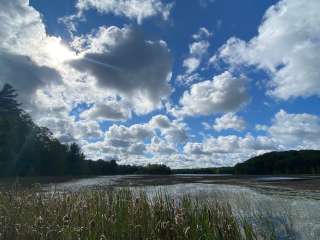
[129, 64]
[24, 75]
[108, 111]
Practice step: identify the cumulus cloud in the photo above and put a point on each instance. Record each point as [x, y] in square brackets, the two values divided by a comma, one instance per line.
[161, 147]
[295, 130]
[21, 27]
[229, 121]
[199, 48]
[114, 70]
[287, 131]
[286, 47]
[173, 131]
[197, 51]
[25, 75]
[137, 10]
[228, 150]
[23, 44]
[191, 64]
[67, 130]
[118, 71]
[223, 93]
[111, 110]
[160, 121]
[132, 9]
[135, 133]
[149, 142]
[122, 60]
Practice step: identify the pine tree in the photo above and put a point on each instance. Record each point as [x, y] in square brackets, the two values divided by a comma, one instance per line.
[8, 102]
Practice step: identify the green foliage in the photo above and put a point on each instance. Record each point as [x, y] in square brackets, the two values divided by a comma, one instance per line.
[8, 104]
[288, 162]
[29, 150]
[220, 170]
[155, 169]
[119, 214]
[25, 148]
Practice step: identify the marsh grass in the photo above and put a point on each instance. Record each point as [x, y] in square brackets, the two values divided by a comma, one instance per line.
[116, 214]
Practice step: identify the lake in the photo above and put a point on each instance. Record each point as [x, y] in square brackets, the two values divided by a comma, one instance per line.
[294, 211]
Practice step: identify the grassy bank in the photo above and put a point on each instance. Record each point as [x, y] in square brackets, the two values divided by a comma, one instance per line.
[121, 214]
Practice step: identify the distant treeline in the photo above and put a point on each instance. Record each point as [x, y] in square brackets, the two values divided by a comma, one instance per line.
[220, 170]
[288, 162]
[29, 150]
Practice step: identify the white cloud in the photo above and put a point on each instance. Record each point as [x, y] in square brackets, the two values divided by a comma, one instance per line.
[227, 150]
[161, 147]
[67, 130]
[203, 33]
[160, 121]
[34, 63]
[187, 79]
[176, 134]
[287, 131]
[21, 27]
[223, 93]
[133, 9]
[286, 47]
[229, 121]
[123, 61]
[145, 142]
[191, 64]
[295, 130]
[197, 51]
[120, 72]
[25, 60]
[134, 133]
[199, 48]
[173, 131]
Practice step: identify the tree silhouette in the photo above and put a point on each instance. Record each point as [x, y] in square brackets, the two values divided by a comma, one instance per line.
[75, 160]
[8, 102]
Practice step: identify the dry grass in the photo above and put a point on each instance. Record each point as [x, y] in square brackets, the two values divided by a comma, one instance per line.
[120, 214]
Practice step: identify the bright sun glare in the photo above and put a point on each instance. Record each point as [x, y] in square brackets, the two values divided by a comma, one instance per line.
[57, 51]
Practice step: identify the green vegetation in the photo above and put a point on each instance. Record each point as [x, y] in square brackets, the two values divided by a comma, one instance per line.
[221, 170]
[289, 162]
[118, 214]
[29, 150]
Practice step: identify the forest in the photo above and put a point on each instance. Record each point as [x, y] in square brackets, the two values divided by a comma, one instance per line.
[29, 150]
[287, 162]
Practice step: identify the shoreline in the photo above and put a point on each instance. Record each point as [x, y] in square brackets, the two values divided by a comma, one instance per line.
[280, 182]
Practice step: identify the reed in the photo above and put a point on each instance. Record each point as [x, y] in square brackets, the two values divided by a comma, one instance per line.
[115, 214]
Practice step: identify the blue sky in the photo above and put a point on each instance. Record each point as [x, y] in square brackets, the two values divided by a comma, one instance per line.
[186, 83]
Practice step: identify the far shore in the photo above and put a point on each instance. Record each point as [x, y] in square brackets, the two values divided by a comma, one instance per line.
[294, 182]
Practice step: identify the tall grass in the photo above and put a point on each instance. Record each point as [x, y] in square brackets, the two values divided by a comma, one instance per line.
[118, 214]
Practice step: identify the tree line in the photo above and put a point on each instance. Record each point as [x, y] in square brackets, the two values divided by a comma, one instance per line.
[27, 149]
[287, 162]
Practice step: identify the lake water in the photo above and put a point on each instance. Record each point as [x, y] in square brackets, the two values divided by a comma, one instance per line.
[296, 214]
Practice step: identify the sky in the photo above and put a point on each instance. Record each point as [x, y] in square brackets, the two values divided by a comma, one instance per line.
[202, 83]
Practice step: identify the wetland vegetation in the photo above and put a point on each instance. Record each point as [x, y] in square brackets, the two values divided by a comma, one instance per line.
[118, 214]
